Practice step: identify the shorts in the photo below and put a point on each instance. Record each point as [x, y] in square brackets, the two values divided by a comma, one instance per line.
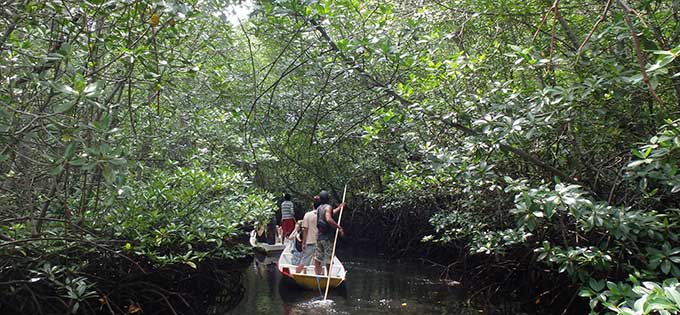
[296, 257]
[307, 254]
[323, 251]
[287, 225]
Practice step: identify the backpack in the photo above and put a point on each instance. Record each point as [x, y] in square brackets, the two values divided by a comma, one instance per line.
[321, 225]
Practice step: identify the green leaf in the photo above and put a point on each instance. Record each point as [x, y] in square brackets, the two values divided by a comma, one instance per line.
[585, 292]
[57, 170]
[638, 154]
[69, 151]
[65, 89]
[64, 107]
[673, 294]
[109, 175]
[78, 162]
[93, 89]
[596, 285]
[118, 161]
[666, 266]
[660, 304]
[639, 162]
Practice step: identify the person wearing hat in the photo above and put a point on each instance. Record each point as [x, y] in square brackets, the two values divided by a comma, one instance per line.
[326, 226]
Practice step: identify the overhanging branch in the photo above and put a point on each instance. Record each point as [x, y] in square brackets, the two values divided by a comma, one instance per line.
[373, 83]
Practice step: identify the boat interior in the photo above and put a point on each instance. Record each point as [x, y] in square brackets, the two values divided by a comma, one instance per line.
[286, 266]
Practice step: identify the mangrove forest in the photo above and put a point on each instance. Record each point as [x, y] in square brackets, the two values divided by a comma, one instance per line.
[457, 156]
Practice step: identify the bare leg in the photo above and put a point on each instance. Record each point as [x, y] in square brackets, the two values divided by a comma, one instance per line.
[317, 267]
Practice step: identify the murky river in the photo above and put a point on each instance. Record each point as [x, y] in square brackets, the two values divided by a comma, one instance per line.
[374, 286]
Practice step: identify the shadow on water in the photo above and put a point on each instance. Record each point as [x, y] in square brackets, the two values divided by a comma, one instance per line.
[374, 286]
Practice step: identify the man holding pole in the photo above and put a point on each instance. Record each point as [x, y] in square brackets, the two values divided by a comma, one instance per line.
[326, 234]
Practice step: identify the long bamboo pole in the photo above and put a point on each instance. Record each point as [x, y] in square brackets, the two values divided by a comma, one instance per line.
[330, 268]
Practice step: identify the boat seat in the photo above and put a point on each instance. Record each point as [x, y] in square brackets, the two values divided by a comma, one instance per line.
[309, 270]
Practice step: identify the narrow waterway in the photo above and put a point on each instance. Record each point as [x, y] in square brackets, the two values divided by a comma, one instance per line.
[374, 286]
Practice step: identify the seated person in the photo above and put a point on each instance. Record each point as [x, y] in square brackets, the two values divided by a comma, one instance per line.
[260, 233]
[296, 237]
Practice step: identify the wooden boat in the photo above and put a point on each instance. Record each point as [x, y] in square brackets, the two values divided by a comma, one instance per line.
[307, 278]
[265, 248]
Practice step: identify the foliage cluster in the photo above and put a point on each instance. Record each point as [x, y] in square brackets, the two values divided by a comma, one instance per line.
[515, 126]
[121, 149]
[541, 133]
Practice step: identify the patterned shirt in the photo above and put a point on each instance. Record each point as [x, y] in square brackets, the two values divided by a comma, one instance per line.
[287, 210]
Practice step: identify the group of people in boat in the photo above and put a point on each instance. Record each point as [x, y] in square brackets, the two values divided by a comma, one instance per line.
[312, 236]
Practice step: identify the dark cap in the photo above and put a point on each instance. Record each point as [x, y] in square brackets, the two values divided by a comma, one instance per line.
[324, 196]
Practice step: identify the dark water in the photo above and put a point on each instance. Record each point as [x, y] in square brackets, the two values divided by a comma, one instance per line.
[373, 286]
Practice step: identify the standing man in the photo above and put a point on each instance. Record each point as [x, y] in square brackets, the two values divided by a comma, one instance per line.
[287, 216]
[309, 235]
[326, 226]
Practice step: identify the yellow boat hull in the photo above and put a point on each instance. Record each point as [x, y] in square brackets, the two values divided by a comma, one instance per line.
[307, 278]
[314, 282]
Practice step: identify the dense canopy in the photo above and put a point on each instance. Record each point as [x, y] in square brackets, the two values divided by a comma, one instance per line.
[137, 135]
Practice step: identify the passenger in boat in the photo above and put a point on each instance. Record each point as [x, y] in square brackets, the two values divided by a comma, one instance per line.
[260, 232]
[287, 216]
[272, 231]
[309, 234]
[326, 226]
[296, 238]
[279, 235]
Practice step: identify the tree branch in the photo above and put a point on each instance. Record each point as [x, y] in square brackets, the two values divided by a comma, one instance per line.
[636, 46]
[466, 130]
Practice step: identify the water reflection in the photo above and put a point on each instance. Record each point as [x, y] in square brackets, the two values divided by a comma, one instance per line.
[299, 301]
[373, 286]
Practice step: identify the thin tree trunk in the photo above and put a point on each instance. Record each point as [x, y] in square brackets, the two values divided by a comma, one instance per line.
[46, 205]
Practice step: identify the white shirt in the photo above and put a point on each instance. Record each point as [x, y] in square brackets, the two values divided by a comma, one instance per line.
[309, 223]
